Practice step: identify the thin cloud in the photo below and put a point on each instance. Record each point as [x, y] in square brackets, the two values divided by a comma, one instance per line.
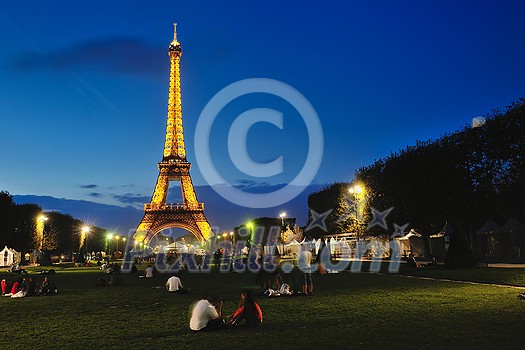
[254, 186]
[244, 183]
[130, 56]
[90, 186]
[95, 194]
[120, 186]
[130, 198]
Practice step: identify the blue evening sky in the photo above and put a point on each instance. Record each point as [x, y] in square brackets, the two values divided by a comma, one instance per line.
[83, 88]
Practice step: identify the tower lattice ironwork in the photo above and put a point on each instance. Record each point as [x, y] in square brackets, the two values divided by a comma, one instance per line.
[188, 215]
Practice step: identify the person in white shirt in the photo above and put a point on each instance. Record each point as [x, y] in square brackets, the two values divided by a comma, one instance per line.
[205, 316]
[148, 272]
[174, 285]
[305, 258]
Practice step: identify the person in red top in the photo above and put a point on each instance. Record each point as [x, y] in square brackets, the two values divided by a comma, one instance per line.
[17, 286]
[248, 310]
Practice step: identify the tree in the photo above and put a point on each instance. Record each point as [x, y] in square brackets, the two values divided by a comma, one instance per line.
[333, 198]
[62, 232]
[24, 239]
[459, 254]
[7, 225]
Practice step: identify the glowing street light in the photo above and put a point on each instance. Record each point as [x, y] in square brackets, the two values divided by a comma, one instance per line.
[358, 192]
[109, 237]
[282, 216]
[41, 219]
[85, 233]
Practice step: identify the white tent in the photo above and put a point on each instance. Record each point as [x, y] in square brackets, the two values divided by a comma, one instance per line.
[333, 243]
[35, 256]
[317, 244]
[411, 243]
[340, 248]
[9, 256]
[308, 245]
[178, 247]
[293, 247]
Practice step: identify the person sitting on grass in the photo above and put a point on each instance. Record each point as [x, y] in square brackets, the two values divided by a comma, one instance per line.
[148, 272]
[206, 315]
[248, 310]
[412, 263]
[16, 287]
[6, 287]
[48, 287]
[174, 285]
[28, 289]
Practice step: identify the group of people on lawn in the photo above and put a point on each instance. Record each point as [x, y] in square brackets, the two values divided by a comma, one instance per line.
[27, 286]
[300, 278]
[206, 314]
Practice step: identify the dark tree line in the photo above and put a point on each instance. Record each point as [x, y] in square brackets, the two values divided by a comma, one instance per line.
[17, 223]
[463, 178]
[61, 232]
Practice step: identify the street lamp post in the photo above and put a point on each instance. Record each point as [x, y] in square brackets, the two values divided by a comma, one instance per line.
[117, 237]
[109, 238]
[282, 216]
[356, 190]
[41, 220]
[85, 233]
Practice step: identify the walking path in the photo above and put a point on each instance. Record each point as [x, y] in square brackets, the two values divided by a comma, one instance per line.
[458, 281]
[505, 265]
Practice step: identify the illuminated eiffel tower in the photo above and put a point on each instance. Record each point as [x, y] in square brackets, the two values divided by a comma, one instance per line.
[159, 215]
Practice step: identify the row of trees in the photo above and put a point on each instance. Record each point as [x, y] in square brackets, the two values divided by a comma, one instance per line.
[25, 228]
[463, 178]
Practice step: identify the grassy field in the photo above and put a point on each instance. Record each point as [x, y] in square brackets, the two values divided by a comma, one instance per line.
[348, 310]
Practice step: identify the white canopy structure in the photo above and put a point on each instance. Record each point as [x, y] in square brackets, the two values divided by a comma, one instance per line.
[9, 256]
[293, 247]
[411, 243]
[317, 244]
[178, 247]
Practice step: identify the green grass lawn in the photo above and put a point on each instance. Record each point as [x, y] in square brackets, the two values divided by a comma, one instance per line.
[348, 310]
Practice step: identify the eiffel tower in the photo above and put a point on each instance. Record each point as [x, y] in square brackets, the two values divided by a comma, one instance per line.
[159, 215]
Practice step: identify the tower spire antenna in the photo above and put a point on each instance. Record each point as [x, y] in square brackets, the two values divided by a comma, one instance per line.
[175, 32]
